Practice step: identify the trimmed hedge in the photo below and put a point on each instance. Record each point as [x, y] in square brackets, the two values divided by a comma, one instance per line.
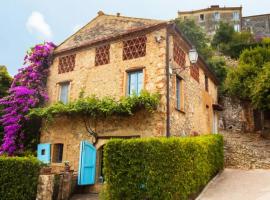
[161, 168]
[18, 178]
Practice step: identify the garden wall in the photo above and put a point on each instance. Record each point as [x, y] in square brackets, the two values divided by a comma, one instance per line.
[174, 168]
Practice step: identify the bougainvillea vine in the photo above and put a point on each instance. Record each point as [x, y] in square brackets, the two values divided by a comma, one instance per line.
[27, 91]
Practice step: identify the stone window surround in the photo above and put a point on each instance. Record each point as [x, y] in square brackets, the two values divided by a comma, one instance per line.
[182, 99]
[132, 69]
[58, 86]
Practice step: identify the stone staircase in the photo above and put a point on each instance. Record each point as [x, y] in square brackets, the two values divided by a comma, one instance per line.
[246, 151]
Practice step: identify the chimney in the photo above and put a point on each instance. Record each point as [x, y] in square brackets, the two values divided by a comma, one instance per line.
[100, 13]
[118, 14]
[214, 6]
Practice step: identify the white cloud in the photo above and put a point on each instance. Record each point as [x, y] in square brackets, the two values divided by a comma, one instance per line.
[76, 28]
[36, 24]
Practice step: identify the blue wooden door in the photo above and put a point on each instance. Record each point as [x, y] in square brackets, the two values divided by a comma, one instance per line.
[87, 165]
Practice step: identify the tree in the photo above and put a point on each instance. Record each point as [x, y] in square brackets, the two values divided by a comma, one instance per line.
[223, 36]
[5, 82]
[196, 36]
[218, 66]
[250, 80]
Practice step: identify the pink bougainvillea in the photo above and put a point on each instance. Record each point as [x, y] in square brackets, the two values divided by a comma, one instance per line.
[27, 91]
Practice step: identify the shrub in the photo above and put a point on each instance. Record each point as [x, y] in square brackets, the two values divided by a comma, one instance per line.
[161, 168]
[19, 178]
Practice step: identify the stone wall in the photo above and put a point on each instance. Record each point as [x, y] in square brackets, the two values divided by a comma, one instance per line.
[259, 25]
[237, 115]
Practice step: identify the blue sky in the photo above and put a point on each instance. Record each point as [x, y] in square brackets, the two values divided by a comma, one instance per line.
[27, 22]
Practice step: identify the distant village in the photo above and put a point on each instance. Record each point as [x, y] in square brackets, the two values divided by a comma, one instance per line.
[209, 18]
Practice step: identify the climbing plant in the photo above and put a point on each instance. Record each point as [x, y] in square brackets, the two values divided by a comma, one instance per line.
[27, 91]
[99, 107]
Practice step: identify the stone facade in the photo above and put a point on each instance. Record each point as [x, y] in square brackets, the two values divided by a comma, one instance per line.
[209, 18]
[259, 25]
[195, 116]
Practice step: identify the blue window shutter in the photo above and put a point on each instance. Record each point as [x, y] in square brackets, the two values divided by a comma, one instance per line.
[87, 164]
[64, 92]
[44, 153]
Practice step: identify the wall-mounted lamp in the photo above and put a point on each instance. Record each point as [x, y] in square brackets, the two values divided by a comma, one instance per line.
[193, 55]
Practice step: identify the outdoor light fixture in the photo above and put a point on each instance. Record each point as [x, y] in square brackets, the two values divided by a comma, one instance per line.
[193, 55]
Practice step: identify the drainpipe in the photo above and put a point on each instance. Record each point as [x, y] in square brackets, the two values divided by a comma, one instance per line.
[167, 83]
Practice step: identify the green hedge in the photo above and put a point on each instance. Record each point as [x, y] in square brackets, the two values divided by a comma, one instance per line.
[173, 168]
[18, 178]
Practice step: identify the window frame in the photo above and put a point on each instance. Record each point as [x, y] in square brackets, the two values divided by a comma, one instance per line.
[59, 149]
[60, 91]
[234, 14]
[202, 17]
[137, 72]
[179, 95]
[206, 83]
[216, 16]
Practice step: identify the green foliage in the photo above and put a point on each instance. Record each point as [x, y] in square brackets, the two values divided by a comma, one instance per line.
[161, 168]
[232, 43]
[95, 107]
[5, 81]
[260, 93]
[223, 36]
[250, 80]
[218, 66]
[19, 178]
[196, 36]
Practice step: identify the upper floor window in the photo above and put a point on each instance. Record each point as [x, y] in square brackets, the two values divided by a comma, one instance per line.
[206, 83]
[135, 82]
[216, 16]
[236, 27]
[134, 48]
[64, 92]
[201, 17]
[66, 63]
[179, 95]
[178, 53]
[102, 55]
[195, 72]
[236, 16]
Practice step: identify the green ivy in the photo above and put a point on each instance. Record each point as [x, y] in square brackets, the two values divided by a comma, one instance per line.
[96, 107]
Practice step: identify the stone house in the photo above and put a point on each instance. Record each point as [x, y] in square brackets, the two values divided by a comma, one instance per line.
[102, 59]
[209, 18]
[259, 25]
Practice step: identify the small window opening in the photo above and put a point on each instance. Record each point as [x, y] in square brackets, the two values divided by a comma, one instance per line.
[43, 152]
[57, 153]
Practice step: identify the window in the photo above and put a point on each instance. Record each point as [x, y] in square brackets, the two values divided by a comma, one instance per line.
[179, 94]
[64, 92]
[216, 16]
[178, 53]
[66, 63]
[206, 83]
[102, 55]
[236, 27]
[57, 156]
[236, 16]
[135, 82]
[195, 72]
[134, 48]
[201, 17]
